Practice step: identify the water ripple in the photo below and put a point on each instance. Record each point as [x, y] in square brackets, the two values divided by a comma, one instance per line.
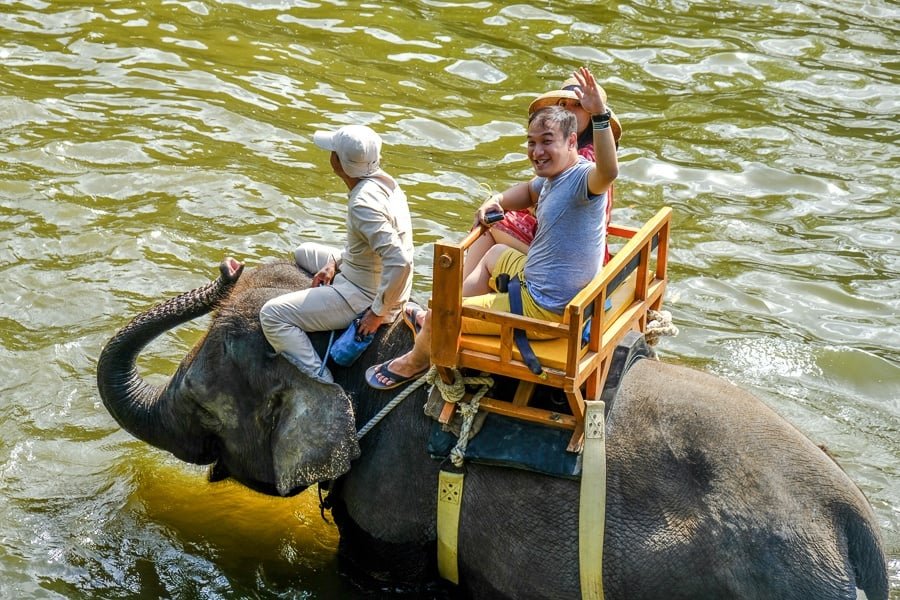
[143, 142]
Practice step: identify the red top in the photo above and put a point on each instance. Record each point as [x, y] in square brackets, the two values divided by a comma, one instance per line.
[522, 225]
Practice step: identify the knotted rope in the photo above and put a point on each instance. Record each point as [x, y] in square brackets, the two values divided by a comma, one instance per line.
[659, 324]
[454, 393]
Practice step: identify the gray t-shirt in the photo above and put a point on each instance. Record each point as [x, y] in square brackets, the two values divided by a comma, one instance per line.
[568, 248]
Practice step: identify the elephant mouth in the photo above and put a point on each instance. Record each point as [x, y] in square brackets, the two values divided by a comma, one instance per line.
[219, 472]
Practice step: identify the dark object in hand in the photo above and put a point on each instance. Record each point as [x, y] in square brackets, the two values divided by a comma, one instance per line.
[492, 217]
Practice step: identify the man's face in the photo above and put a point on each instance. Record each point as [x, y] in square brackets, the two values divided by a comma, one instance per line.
[336, 163]
[549, 152]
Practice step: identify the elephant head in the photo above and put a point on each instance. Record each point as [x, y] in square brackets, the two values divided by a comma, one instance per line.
[232, 402]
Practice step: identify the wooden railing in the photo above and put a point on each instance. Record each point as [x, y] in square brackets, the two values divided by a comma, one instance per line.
[612, 304]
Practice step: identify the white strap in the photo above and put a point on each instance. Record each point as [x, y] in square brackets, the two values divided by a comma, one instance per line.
[592, 505]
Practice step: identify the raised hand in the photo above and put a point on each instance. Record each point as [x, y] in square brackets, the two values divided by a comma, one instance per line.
[591, 96]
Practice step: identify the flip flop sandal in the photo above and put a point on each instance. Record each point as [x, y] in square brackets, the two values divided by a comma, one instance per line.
[411, 317]
[384, 370]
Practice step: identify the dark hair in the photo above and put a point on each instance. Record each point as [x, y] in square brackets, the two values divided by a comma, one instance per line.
[555, 115]
[586, 137]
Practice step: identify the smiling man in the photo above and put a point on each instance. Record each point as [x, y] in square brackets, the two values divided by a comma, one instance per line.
[569, 194]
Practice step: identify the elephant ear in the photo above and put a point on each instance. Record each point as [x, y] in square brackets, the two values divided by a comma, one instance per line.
[315, 437]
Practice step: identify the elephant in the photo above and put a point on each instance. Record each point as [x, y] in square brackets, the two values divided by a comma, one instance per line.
[710, 493]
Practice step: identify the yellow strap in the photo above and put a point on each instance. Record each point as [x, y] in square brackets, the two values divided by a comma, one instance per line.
[450, 490]
[592, 506]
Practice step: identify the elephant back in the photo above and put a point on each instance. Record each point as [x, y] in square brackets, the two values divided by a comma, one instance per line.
[258, 286]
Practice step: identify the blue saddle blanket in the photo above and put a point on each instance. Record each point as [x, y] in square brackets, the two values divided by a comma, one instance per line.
[508, 442]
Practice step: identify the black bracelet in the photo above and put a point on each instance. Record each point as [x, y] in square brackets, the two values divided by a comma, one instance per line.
[601, 118]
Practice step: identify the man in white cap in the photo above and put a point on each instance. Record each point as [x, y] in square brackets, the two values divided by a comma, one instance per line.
[372, 274]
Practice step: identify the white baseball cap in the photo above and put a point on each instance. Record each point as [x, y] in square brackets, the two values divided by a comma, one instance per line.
[357, 146]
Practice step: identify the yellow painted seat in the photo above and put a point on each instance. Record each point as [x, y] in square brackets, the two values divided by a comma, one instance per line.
[633, 282]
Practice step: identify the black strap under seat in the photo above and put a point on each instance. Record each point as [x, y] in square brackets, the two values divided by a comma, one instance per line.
[515, 305]
[512, 286]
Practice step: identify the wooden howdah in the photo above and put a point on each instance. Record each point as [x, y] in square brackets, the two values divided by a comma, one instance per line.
[633, 281]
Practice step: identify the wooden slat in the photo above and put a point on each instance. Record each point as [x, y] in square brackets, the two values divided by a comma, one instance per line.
[446, 304]
[514, 321]
[573, 347]
[621, 231]
[626, 322]
[446, 298]
[551, 353]
[586, 365]
[524, 392]
[576, 403]
[643, 283]
[447, 412]
[518, 370]
[534, 415]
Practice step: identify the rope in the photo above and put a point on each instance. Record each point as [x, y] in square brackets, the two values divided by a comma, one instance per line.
[659, 324]
[469, 410]
[450, 392]
[392, 404]
[327, 352]
[454, 393]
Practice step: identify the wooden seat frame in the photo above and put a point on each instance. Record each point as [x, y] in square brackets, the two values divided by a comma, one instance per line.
[584, 366]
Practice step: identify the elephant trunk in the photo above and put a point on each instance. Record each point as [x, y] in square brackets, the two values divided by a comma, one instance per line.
[138, 406]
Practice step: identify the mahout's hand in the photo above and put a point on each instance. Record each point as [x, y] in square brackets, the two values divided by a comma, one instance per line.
[369, 323]
[326, 274]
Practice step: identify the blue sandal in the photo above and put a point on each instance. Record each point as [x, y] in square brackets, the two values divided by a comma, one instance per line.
[384, 370]
[411, 314]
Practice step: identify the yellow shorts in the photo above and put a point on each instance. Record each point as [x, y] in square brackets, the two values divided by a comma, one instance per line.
[511, 262]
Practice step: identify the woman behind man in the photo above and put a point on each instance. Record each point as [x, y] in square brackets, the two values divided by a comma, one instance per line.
[569, 194]
[518, 227]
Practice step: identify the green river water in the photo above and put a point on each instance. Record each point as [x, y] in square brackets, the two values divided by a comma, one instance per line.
[143, 141]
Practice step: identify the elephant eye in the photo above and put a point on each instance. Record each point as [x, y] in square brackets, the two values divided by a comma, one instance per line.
[231, 348]
[188, 386]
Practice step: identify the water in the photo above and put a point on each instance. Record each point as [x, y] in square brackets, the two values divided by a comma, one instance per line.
[144, 141]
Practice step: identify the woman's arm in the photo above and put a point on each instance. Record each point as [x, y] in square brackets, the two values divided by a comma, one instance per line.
[518, 197]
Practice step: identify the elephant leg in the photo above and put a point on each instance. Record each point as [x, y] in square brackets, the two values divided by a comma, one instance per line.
[411, 564]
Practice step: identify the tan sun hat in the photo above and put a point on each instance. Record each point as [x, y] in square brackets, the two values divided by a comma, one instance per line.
[567, 92]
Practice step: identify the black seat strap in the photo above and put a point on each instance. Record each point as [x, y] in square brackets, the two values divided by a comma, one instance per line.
[515, 304]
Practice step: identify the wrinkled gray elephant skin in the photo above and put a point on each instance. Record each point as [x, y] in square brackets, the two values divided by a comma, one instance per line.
[232, 403]
[710, 494]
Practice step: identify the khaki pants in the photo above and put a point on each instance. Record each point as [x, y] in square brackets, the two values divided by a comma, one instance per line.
[286, 319]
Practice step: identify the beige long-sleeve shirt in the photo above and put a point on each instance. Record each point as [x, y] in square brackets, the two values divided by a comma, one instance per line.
[378, 256]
